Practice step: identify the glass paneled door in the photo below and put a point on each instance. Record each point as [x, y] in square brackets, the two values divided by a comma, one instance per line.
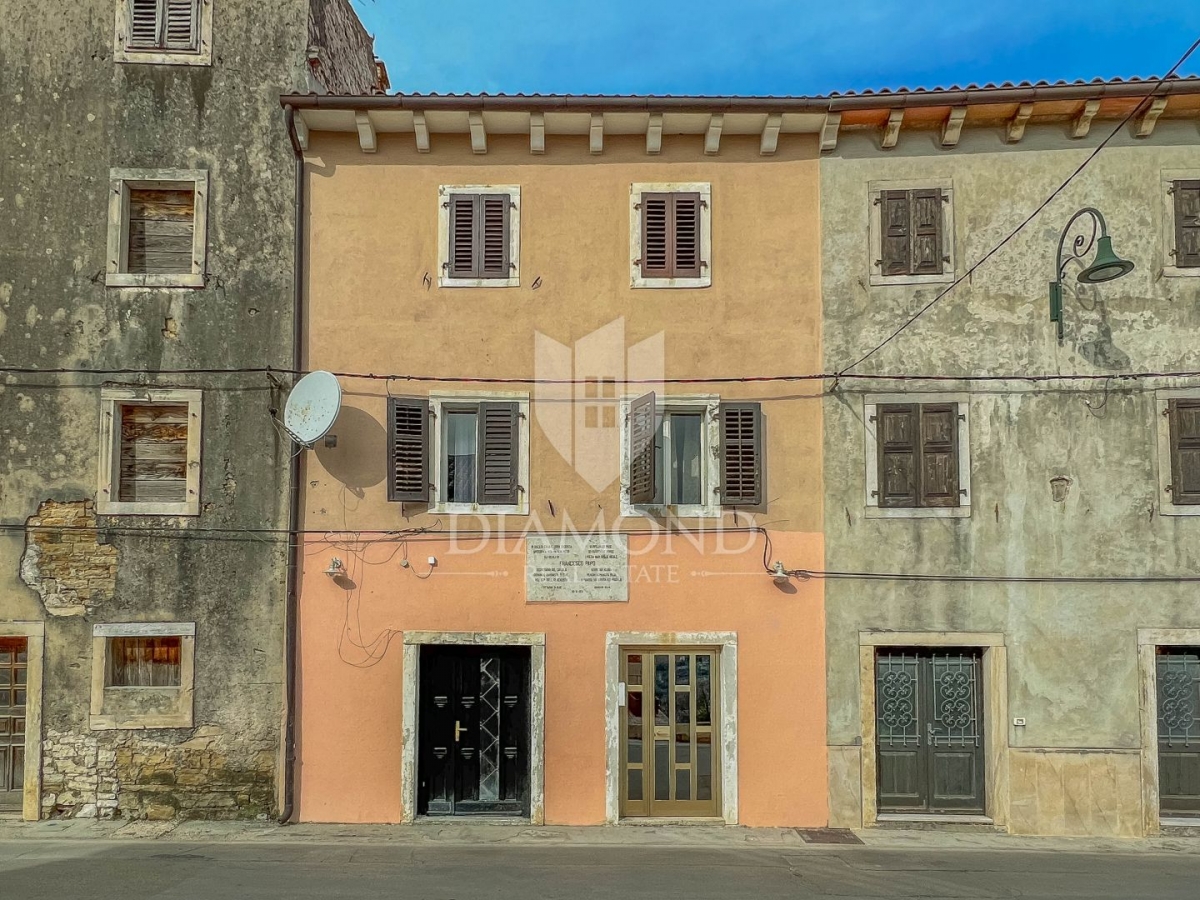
[670, 735]
[14, 672]
[1179, 730]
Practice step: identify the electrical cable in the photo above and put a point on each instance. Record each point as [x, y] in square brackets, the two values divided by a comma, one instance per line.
[1033, 215]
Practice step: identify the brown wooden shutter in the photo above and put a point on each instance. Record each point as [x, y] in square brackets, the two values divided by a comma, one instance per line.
[741, 454]
[153, 465]
[499, 452]
[492, 214]
[656, 237]
[463, 248]
[408, 449]
[143, 24]
[180, 25]
[1187, 224]
[925, 232]
[1185, 451]
[895, 221]
[685, 235]
[643, 456]
[939, 454]
[896, 426]
[160, 228]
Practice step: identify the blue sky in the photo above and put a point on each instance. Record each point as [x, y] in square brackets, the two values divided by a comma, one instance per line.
[768, 46]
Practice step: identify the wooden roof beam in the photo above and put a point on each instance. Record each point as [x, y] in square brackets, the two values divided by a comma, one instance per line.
[537, 133]
[1016, 125]
[1083, 122]
[952, 127]
[712, 136]
[770, 135]
[596, 133]
[891, 131]
[829, 131]
[421, 130]
[1147, 120]
[654, 134]
[366, 131]
[478, 133]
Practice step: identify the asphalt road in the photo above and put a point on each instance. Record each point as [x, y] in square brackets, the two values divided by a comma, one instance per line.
[32, 870]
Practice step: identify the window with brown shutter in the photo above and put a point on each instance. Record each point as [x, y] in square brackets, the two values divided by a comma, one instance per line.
[160, 226]
[171, 25]
[479, 236]
[1187, 224]
[408, 449]
[499, 433]
[671, 235]
[1184, 420]
[741, 454]
[911, 232]
[917, 454]
[643, 452]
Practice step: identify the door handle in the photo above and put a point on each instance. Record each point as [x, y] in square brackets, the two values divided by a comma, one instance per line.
[458, 730]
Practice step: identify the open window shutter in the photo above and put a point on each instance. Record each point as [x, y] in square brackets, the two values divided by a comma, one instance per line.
[154, 438]
[642, 454]
[1187, 224]
[895, 221]
[500, 443]
[939, 454]
[925, 233]
[463, 245]
[144, 23]
[896, 432]
[685, 243]
[408, 449]
[741, 454]
[656, 238]
[1185, 451]
[161, 224]
[493, 239]
[180, 29]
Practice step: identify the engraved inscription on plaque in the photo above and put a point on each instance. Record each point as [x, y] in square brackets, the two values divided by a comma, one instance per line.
[589, 568]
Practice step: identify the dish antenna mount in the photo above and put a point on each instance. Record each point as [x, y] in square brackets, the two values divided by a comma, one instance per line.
[312, 408]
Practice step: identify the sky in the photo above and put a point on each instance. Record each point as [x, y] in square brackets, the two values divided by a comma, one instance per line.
[769, 47]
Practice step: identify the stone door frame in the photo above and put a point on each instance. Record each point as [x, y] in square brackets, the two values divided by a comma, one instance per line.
[1149, 640]
[35, 635]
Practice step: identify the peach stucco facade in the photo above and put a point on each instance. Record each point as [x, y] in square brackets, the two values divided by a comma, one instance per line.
[373, 304]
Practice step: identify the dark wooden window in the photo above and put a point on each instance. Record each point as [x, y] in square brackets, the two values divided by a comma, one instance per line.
[164, 25]
[479, 236]
[1187, 224]
[741, 454]
[671, 235]
[153, 453]
[1184, 418]
[408, 449]
[160, 226]
[911, 232]
[918, 454]
[144, 661]
[643, 452]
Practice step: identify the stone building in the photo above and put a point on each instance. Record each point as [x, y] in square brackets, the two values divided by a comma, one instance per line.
[1045, 705]
[147, 209]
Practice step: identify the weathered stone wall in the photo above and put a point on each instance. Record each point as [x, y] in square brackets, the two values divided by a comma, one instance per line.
[342, 53]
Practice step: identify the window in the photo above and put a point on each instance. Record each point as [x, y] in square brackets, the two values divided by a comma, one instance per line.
[911, 233]
[157, 228]
[1181, 230]
[143, 675]
[1179, 452]
[167, 32]
[478, 236]
[670, 228]
[917, 449]
[149, 452]
[459, 453]
[690, 456]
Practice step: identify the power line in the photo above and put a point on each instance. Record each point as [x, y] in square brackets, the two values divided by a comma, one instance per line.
[1033, 215]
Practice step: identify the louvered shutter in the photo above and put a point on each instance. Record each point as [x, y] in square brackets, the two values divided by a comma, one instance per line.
[1185, 451]
[1187, 224]
[463, 248]
[895, 221]
[408, 449]
[685, 235]
[925, 232]
[741, 454]
[500, 444]
[656, 238]
[896, 433]
[939, 454]
[160, 228]
[643, 457]
[144, 24]
[180, 26]
[492, 215]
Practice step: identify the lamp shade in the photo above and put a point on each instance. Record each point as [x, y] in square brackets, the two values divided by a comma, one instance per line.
[1106, 266]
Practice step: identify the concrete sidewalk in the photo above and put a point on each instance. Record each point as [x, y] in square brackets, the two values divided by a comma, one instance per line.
[520, 835]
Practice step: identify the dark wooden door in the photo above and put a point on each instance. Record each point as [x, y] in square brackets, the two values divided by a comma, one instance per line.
[14, 675]
[929, 731]
[1178, 673]
[473, 733]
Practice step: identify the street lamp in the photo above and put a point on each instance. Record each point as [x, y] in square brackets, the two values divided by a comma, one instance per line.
[1105, 267]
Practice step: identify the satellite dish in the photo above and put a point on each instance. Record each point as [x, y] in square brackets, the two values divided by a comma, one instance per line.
[312, 407]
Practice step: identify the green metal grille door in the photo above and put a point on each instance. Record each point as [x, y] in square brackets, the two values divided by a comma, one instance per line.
[14, 674]
[929, 728]
[1179, 730]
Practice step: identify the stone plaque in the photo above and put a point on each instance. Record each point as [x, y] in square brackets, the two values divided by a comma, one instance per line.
[589, 568]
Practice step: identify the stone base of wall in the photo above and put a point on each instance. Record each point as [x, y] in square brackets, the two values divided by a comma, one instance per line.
[201, 773]
[1076, 792]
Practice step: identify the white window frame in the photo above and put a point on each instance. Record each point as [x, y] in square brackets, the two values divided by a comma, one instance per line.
[710, 454]
[514, 235]
[704, 189]
[122, 53]
[1162, 428]
[111, 399]
[120, 183]
[871, 403]
[875, 191]
[442, 400]
[103, 717]
[1169, 176]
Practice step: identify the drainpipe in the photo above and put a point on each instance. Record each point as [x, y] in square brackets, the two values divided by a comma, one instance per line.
[293, 564]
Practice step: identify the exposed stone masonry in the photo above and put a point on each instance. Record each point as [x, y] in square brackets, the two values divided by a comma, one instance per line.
[69, 568]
